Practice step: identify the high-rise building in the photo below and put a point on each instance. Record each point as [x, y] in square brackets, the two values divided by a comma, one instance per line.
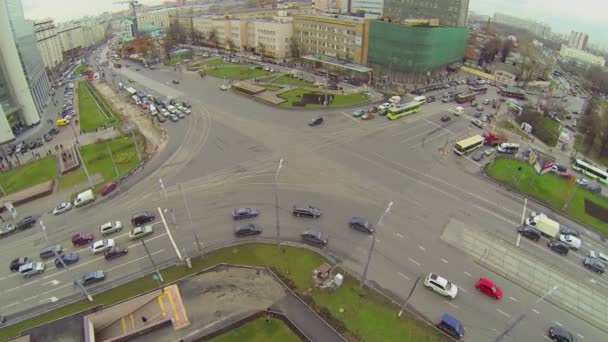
[449, 12]
[578, 40]
[24, 85]
[350, 6]
[49, 45]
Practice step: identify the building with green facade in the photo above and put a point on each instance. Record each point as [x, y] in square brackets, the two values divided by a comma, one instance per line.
[409, 54]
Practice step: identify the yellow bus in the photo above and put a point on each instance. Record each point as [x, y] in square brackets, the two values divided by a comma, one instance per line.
[469, 144]
[395, 113]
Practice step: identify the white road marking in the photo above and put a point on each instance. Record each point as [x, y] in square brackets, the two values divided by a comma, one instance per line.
[496, 215]
[132, 261]
[414, 136]
[504, 313]
[422, 248]
[426, 141]
[419, 218]
[378, 240]
[403, 275]
[436, 125]
[350, 117]
[414, 261]
[30, 298]
[51, 299]
[13, 289]
[469, 274]
[547, 338]
[579, 335]
[462, 289]
[399, 235]
[558, 323]
[536, 311]
[57, 288]
[442, 259]
[513, 299]
[452, 304]
[9, 305]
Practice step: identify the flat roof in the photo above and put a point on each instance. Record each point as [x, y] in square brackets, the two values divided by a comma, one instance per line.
[336, 62]
[333, 16]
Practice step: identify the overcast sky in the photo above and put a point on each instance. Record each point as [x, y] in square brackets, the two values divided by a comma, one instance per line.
[563, 15]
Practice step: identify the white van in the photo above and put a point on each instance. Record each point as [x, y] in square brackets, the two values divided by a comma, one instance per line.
[395, 99]
[153, 110]
[421, 99]
[84, 197]
[508, 148]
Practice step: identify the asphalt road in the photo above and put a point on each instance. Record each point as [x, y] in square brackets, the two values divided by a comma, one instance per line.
[225, 156]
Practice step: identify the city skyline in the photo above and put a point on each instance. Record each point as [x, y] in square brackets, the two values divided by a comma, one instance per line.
[586, 17]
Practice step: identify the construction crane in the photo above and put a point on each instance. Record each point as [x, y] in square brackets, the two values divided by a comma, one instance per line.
[133, 4]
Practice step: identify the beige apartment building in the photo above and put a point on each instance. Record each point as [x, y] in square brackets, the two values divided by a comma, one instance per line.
[343, 37]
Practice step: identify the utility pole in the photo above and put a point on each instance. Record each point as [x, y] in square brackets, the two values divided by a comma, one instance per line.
[84, 167]
[160, 277]
[198, 244]
[135, 143]
[371, 247]
[276, 202]
[82, 289]
[112, 159]
[567, 204]
[404, 306]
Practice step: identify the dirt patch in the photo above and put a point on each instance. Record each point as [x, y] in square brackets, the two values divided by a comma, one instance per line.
[596, 210]
[150, 129]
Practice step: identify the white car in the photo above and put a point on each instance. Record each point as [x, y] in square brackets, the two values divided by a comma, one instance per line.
[441, 285]
[395, 99]
[572, 241]
[186, 110]
[100, 246]
[224, 87]
[62, 208]
[110, 227]
[164, 112]
[385, 105]
[139, 232]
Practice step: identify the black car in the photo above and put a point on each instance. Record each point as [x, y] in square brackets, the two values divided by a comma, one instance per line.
[430, 99]
[68, 259]
[316, 121]
[11, 149]
[142, 218]
[115, 252]
[558, 246]
[175, 82]
[92, 277]
[569, 231]
[16, 263]
[243, 213]
[53, 131]
[26, 222]
[247, 229]
[308, 211]
[594, 264]
[32, 144]
[445, 118]
[186, 104]
[361, 224]
[172, 102]
[559, 334]
[315, 237]
[529, 232]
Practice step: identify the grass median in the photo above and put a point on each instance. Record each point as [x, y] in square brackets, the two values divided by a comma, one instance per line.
[27, 175]
[347, 100]
[551, 189]
[366, 315]
[288, 79]
[93, 111]
[235, 72]
[260, 330]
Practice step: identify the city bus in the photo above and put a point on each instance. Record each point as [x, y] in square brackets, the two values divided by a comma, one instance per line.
[395, 113]
[514, 108]
[467, 145]
[465, 98]
[512, 93]
[590, 171]
[482, 89]
[449, 97]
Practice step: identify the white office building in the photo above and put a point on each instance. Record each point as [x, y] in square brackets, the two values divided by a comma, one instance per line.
[48, 43]
[580, 57]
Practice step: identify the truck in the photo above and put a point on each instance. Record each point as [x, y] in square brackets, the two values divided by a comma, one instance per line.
[84, 198]
[545, 225]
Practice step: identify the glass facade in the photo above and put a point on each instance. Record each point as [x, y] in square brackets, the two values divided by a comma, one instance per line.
[29, 55]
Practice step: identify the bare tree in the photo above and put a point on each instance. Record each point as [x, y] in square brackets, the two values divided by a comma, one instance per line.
[295, 48]
[261, 48]
[507, 46]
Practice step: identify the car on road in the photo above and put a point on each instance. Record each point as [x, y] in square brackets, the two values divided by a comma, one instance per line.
[488, 287]
[361, 224]
[315, 236]
[82, 239]
[558, 246]
[595, 264]
[31, 269]
[477, 156]
[186, 104]
[316, 121]
[103, 245]
[451, 326]
[224, 87]
[386, 105]
[599, 255]
[309, 211]
[247, 229]
[180, 115]
[15, 264]
[92, 277]
[559, 334]
[572, 241]
[164, 112]
[110, 227]
[62, 208]
[184, 110]
[7, 230]
[68, 259]
[440, 285]
[244, 213]
[108, 189]
[139, 232]
[478, 123]
[368, 116]
[26, 222]
[174, 118]
[486, 101]
[529, 232]
[175, 81]
[141, 218]
[115, 252]
[161, 119]
[446, 118]
[359, 112]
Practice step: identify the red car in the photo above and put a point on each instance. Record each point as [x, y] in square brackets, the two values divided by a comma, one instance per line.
[108, 188]
[489, 288]
[82, 239]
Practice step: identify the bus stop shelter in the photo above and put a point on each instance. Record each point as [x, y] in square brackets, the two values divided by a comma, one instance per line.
[333, 64]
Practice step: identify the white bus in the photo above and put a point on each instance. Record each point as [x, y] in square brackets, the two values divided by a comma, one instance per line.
[590, 171]
[508, 148]
[469, 144]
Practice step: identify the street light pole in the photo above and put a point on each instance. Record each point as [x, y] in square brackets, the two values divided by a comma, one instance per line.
[160, 277]
[112, 159]
[84, 167]
[135, 143]
[198, 244]
[371, 247]
[276, 202]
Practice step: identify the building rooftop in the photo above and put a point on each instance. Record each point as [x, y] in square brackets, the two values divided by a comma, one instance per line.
[335, 16]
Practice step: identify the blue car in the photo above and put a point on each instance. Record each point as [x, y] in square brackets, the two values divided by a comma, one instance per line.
[68, 259]
[451, 326]
[359, 112]
[243, 213]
